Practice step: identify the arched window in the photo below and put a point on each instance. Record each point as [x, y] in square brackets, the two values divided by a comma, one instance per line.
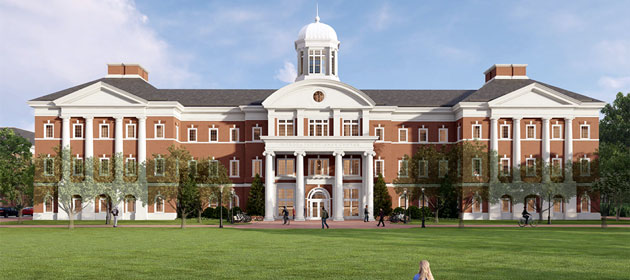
[48, 204]
[585, 203]
[101, 204]
[425, 202]
[235, 201]
[476, 204]
[506, 204]
[214, 201]
[530, 201]
[130, 204]
[558, 204]
[76, 203]
[158, 206]
[403, 202]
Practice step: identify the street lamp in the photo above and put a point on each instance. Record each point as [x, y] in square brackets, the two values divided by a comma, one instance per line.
[221, 206]
[405, 212]
[422, 208]
[232, 194]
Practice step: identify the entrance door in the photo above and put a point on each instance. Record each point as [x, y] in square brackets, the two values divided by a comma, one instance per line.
[316, 206]
[317, 199]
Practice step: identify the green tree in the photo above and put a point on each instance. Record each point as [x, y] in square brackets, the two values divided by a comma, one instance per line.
[382, 199]
[16, 171]
[256, 200]
[613, 184]
[615, 126]
[187, 195]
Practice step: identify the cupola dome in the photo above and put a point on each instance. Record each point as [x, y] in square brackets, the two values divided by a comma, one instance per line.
[317, 46]
[317, 31]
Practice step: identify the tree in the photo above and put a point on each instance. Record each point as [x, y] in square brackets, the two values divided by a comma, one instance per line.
[256, 200]
[382, 199]
[613, 184]
[187, 194]
[471, 159]
[615, 126]
[16, 171]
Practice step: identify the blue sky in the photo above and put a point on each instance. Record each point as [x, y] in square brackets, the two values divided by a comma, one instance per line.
[583, 46]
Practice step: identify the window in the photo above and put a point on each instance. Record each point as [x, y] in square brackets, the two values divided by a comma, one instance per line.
[234, 134]
[214, 135]
[403, 202]
[476, 167]
[49, 130]
[442, 168]
[77, 166]
[350, 127]
[130, 204]
[556, 131]
[130, 167]
[505, 131]
[301, 66]
[505, 167]
[285, 199]
[318, 127]
[213, 201]
[213, 165]
[379, 167]
[256, 167]
[285, 128]
[49, 166]
[158, 207]
[443, 133]
[351, 202]
[192, 166]
[104, 130]
[531, 204]
[402, 135]
[316, 61]
[78, 130]
[506, 204]
[159, 130]
[103, 170]
[256, 132]
[380, 133]
[423, 168]
[131, 131]
[286, 167]
[476, 131]
[101, 205]
[423, 135]
[585, 131]
[192, 134]
[556, 167]
[585, 203]
[477, 204]
[332, 67]
[530, 131]
[585, 166]
[530, 169]
[159, 166]
[403, 168]
[177, 132]
[234, 168]
[76, 204]
[459, 132]
[317, 166]
[558, 204]
[48, 204]
[351, 167]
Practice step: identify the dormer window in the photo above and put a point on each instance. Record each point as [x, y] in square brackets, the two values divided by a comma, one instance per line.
[316, 61]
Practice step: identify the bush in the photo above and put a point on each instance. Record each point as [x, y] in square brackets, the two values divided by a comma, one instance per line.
[217, 213]
[208, 213]
[236, 210]
[414, 212]
[427, 212]
[398, 210]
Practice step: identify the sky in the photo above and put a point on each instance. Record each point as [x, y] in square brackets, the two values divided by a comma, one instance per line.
[50, 45]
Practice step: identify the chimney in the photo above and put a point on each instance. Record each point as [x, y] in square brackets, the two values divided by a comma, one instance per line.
[506, 71]
[122, 70]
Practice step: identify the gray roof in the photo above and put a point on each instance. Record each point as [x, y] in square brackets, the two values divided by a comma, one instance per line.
[29, 135]
[390, 97]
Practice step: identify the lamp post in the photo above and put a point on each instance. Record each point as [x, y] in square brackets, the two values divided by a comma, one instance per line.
[422, 207]
[405, 212]
[221, 206]
[232, 206]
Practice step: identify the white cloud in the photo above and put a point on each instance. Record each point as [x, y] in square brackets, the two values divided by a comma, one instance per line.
[287, 73]
[51, 45]
[615, 83]
[613, 54]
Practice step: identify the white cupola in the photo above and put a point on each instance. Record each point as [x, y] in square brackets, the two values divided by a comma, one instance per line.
[316, 48]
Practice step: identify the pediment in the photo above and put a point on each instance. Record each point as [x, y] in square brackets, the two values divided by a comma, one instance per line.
[100, 94]
[534, 95]
[335, 95]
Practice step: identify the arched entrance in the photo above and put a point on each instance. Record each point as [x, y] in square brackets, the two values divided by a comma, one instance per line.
[317, 198]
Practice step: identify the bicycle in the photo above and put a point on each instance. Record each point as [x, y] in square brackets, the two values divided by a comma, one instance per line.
[532, 222]
[242, 218]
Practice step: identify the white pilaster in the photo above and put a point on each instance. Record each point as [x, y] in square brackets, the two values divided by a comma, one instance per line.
[65, 132]
[516, 148]
[337, 122]
[142, 139]
[338, 189]
[271, 123]
[494, 148]
[299, 186]
[365, 123]
[546, 151]
[89, 137]
[270, 188]
[370, 184]
[118, 140]
[568, 149]
[300, 122]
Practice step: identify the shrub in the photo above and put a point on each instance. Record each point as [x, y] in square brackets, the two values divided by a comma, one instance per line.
[414, 212]
[217, 213]
[208, 213]
[398, 210]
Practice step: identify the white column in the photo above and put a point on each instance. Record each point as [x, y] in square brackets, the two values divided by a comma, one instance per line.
[516, 149]
[299, 186]
[337, 122]
[494, 149]
[300, 122]
[365, 123]
[546, 151]
[142, 139]
[89, 137]
[270, 188]
[370, 184]
[271, 123]
[568, 148]
[65, 132]
[338, 189]
[118, 136]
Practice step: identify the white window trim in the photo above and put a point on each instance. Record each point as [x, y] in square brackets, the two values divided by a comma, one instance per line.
[80, 200]
[45, 131]
[472, 171]
[406, 135]
[508, 130]
[588, 164]
[210, 135]
[126, 204]
[254, 167]
[74, 131]
[552, 167]
[98, 206]
[260, 134]
[527, 167]
[196, 166]
[426, 168]
[196, 134]
[527, 129]
[553, 205]
[238, 135]
[480, 131]
[135, 132]
[52, 160]
[177, 133]
[474, 200]
[100, 166]
[127, 160]
[156, 202]
[324, 124]
[508, 165]
[211, 163]
[52, 200]
[400, 161]
[426, 130]
[382, 129]
[554, 126]
[285, 124]
[588, 203]
[382, 167]
[439, 130]
[459, 132]
[238, 167]
[351, 160]
[74, 167]
[588, 127]
[155, 131]
[155, 161]
[439, 169]
[402, 201]
[509, 201]
[290, 174]
[100, 131]
[325, 172]
[352, 123]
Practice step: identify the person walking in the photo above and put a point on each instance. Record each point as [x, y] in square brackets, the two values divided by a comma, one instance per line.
[366, 214]
[115, 214]
[285, 215]
[381, 218]
[324, 217]
[425, 271]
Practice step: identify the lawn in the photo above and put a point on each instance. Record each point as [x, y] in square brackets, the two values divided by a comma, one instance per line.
[232, 253]
[121, 222]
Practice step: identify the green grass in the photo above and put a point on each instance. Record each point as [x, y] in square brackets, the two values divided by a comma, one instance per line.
[121, 222]
[231, 253]
[443, 221]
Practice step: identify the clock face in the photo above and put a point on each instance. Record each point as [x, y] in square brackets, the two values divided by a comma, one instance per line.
[318, 96]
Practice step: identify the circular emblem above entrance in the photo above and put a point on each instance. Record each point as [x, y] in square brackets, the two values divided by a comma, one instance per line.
[318, 96]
